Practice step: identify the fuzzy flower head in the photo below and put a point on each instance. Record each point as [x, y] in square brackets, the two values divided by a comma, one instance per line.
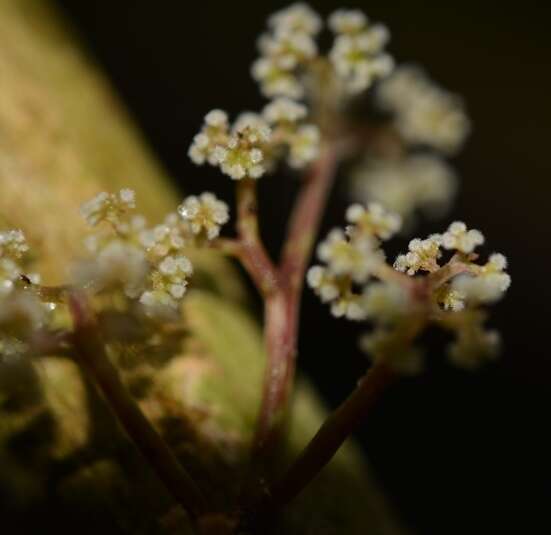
[356, 258]
[21, 313]
[487, 284]
[462, 240]
[415, 183]
[205, 214]
[214, 131]
[284, 110]
[422, 255]
[13, 244]
[374, 220]
[424, 113]
[357, 54]
[286, 50]
[108, 207]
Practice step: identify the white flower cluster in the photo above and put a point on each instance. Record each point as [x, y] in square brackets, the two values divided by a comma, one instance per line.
[399, 306]
[417, 182]
[148, 264]
[108, 207]
[351, 259]
[357, 54]
[249, 147]
[286, 50]
[487, 284]
[204, 214]
[423, 255]
[13, 244]
[424, 113]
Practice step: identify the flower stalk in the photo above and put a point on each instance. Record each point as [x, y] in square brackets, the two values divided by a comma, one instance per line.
[90, 354]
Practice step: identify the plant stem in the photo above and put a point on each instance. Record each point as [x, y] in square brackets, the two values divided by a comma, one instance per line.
[283, 307]
[251, 250]
[330, 437]
[91, 355]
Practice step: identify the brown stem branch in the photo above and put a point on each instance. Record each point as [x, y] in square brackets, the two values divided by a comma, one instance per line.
[91, 356]
[332, 434]
[251, 250]
[282, 308]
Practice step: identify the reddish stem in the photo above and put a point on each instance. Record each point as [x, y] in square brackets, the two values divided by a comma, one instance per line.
[332, 434]
[283, 306]
[91, 355]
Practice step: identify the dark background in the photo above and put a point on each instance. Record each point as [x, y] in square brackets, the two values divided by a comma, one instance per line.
[457, 452]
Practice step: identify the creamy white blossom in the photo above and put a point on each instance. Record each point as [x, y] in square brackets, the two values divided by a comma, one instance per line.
[357, 258]
[284, 109]
[486, 286]
[108, 207]
[304, 146]
[205, 214]
[385, 302]
[214, 131]
[374, 220]
[422, 255]
[13, 244]
[297, 18]
[117, 265]
[459, 238]
[357, 54]
[418, 182]
[424, 113]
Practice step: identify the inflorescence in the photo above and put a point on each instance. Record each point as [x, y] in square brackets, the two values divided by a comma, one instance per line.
[357, 282]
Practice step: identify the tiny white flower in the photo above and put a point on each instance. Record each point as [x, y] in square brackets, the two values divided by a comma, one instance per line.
[298, 18]
[205, 214]
[13, 244]
[459, 238]
[304, 146]
[424, 113]
[422, 255]
[357, 258]
[374, 220]
[108, 207]
[347, 21]
[284, 109]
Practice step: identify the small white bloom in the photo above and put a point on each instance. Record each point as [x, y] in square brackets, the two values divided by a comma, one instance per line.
[418, 182]
[422, 255]
[374, 220]
[284, 109]
[424, 113]
[323, 283]
[488, 285]
[459, 238]
[117, 265]
[304, 146]
[357, 258]
[297, 18]
[205, 214]
[347, 21]
[384, 302]
[13, 244]
[108, 207]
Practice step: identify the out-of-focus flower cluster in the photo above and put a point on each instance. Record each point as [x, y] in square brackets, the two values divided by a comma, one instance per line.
[289, 52]
[425, 120]
[254, 143]
[357, 283]
[146, 263]
[20, 312]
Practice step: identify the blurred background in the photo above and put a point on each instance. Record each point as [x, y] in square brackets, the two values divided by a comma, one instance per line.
[457, 452]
